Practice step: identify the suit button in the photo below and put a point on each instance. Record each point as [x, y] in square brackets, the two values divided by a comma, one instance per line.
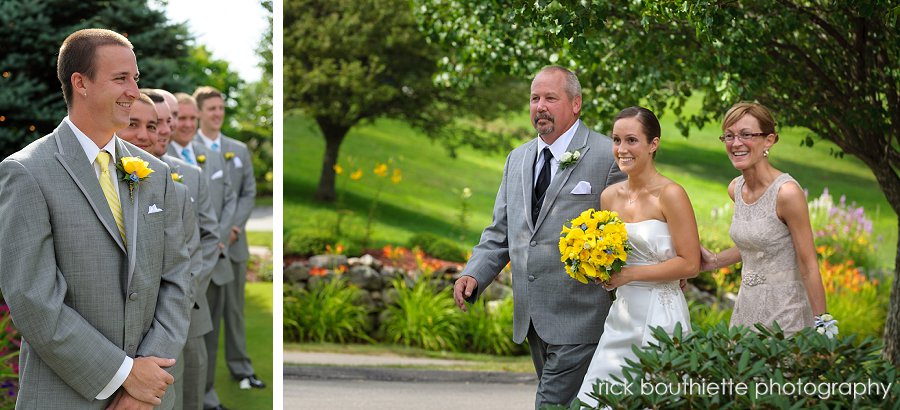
[531, 278]
[132, 296]
[533, 243]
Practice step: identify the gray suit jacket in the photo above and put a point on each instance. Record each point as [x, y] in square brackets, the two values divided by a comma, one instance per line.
[224, 202]
[243, 180]
[81, 302]
[208, 231]
[563, 310]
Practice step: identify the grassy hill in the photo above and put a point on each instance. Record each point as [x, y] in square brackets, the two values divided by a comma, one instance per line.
[428, 198]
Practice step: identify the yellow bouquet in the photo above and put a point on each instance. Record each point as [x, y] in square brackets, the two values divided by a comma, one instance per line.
[594, 245]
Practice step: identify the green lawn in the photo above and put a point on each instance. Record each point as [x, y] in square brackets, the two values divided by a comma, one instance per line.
[260, 238]
[258, 318]
[427, 200]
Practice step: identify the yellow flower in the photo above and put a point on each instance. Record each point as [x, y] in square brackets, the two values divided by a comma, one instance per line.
[356, 175]
[134, 170]
[201, 159]
[381, 170]
[593, 245]
[177, 177]
[134, 165]
[338, 169]
[397, 177]
[229, 155]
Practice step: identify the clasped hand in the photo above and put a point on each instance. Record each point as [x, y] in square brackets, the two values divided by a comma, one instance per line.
[146, 384]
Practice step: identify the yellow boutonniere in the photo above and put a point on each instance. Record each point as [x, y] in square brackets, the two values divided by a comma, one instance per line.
[177, 177]
[134, 170]
[201, 159]
[229, 155]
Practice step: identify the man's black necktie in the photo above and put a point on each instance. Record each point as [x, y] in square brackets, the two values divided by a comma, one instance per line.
[540, 188]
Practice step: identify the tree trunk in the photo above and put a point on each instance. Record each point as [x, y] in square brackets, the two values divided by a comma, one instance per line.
[890, 185]
[334, 135]
[892, 325]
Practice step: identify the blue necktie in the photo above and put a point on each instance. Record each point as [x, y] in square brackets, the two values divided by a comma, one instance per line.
[187, 156]
[215, 146]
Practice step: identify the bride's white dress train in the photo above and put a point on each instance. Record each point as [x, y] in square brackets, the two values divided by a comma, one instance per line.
[638, 307]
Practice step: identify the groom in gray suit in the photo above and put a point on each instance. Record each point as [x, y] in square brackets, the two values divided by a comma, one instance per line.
[93, 267]
[540, 191]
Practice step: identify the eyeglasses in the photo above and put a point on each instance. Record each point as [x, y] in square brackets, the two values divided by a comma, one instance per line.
[744, 136]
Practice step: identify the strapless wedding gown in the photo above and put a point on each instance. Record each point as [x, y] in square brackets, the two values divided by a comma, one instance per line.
[638, 307]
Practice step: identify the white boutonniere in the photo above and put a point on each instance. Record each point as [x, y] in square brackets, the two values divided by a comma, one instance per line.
[569, 158]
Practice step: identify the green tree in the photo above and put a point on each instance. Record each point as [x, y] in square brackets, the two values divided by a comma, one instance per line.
[31, 32]
[254, 114]
[348, 61]
[828, 66]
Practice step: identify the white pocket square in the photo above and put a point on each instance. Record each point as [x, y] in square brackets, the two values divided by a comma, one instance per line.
[237, 162]
[583, 188]
[153, 209]
[218, 174]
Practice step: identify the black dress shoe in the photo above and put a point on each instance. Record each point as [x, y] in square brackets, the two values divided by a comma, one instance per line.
[252, 381]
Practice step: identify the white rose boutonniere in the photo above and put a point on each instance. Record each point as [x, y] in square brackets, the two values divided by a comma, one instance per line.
[569, 158]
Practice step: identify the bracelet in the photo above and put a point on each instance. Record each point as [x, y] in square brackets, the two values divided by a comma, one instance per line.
[716, 261]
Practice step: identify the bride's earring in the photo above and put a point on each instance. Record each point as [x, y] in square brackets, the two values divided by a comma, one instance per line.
[766, 153]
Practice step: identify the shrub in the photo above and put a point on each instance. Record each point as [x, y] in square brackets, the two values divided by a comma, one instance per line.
[9, 358]
[421, 316]
[670, 373]
[705, 316]
[306, 243]
[487, 328]
[328, 312]
[438, 247]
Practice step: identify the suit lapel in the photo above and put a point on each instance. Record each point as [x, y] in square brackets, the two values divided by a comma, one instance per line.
[579, 142]
[71, 157]
[528, 179]
[129, 210]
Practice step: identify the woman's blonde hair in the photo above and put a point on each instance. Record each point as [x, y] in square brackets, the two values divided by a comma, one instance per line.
[758, 111]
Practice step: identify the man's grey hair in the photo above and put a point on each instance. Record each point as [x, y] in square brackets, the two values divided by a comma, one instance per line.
[573, 86]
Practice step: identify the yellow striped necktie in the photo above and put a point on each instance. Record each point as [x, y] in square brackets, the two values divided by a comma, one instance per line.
[109, 191]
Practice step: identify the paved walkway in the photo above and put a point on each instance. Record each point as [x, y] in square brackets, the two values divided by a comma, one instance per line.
[261, 219]
[319, 380]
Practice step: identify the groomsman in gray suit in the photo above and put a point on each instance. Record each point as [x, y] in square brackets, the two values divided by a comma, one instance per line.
[93, 267]
[561, 318]
[224, 200]
[191, 386]
[239, 164]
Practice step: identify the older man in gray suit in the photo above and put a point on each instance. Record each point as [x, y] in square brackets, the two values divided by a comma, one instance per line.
[96, 278]
[561, 318]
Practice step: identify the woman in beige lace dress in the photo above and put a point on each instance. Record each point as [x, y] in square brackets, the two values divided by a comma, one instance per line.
[771, 228]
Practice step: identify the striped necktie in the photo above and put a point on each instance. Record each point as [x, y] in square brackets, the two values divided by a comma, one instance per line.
[109, 191]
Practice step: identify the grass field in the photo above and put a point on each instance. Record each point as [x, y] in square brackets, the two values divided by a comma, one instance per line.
[428, 198]
[258, 318]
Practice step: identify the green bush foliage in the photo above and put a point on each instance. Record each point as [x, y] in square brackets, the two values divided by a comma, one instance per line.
[487, 328]
[328, 312]
[421, 316]
[306, 244]
[768, 363]
[438, 247]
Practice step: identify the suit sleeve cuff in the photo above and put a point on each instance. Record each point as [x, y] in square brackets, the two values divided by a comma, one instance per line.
[117, 380]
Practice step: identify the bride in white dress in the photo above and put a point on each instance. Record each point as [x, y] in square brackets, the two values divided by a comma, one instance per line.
[666, 248]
